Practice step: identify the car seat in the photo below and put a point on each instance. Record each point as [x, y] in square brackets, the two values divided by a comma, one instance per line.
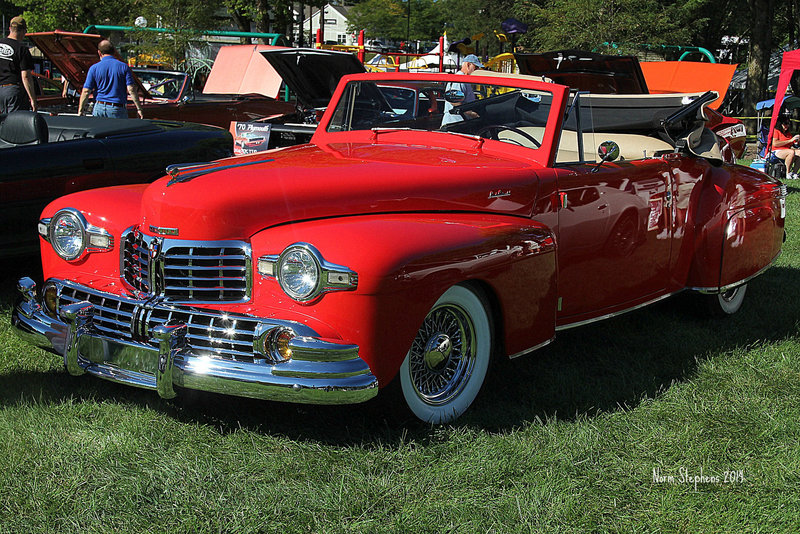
[23, 128]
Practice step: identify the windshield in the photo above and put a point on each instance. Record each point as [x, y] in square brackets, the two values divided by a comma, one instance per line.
[162, 84]
[501, 112]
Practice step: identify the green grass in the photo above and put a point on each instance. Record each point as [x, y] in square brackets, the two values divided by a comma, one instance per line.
[564, 440]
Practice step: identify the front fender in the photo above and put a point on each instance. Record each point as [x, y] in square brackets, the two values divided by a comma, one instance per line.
[113, 208]
[405, 262]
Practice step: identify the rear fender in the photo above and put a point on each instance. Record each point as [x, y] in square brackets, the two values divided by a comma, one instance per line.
[739, 228]
[405, 262]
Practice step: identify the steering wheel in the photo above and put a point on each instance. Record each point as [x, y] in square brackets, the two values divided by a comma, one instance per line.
[496, 129]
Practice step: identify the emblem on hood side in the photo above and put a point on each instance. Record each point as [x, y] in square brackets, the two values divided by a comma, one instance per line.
[163, 231]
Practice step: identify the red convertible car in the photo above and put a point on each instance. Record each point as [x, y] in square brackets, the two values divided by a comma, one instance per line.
[397, 250]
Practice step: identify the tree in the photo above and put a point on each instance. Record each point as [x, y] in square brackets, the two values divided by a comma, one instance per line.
[188, 19]
[587, 24]
[72, 15]
[391, 19]
[761, 16]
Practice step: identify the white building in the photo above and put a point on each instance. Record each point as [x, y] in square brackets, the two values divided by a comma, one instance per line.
[335, 26]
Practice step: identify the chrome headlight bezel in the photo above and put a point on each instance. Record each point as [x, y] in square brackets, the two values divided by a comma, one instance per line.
[327, 276]
[292, 283]
[92, 238]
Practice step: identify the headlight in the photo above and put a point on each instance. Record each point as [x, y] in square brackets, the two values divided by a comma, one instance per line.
[67, 234]
[71, 236]
[299, 272]
[304, 275]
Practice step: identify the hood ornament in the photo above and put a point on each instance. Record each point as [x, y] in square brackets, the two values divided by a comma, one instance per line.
[184, 172]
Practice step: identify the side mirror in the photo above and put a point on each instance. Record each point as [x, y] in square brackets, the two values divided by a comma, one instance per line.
[454, 96]
[607, 151]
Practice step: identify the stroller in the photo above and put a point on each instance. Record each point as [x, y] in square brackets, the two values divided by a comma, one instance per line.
[771, 163]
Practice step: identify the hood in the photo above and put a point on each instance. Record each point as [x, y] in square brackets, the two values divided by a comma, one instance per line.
[238, 197]
[242, 70]
[73, 54]
[689, 77]
[587, 71]
[312, 74]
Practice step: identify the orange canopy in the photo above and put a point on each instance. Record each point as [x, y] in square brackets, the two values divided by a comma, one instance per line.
[688, 77]
[242, 70]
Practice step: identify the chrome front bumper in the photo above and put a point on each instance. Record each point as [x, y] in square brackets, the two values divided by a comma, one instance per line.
[319, 371]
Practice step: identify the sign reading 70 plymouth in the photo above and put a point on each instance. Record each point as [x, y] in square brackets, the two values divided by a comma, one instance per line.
[397, 247]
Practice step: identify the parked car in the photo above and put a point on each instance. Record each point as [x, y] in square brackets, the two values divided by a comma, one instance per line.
[312, 75]
[165, 94]
[624, 75]
[395, 250]
[49, 93]
[45, 157]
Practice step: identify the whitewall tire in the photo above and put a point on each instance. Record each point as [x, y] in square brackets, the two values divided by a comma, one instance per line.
[446, 366]
[728, 302]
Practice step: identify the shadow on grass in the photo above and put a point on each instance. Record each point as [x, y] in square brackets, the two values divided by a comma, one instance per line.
[602, 367]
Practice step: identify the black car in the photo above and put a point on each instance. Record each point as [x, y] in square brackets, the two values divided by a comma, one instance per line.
[44, 157]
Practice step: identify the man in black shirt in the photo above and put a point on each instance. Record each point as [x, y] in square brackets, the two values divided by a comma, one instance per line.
[15, 70]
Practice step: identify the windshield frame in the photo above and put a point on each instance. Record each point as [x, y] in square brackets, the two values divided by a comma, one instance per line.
[543, 155]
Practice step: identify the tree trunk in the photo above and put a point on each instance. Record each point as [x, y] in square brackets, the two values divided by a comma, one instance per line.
[762, 13]
[242, 22]
[263, 21]
[301, 23]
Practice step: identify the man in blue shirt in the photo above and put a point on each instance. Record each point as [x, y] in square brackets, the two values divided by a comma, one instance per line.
[108, 80]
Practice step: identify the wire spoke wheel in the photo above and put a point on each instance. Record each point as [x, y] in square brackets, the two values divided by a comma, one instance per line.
[448, 360]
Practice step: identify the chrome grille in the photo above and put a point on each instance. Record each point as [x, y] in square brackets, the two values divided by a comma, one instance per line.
[228, 336]
[212, 271]
[205, 273]
[135, 261]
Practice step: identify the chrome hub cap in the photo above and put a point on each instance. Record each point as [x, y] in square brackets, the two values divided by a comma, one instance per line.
[442, 356]
[729, 295]
[437, 352]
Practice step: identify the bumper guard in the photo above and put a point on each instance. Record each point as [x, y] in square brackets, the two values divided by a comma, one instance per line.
[319, 371]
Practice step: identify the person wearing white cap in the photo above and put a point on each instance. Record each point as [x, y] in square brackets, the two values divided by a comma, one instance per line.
[469, 64]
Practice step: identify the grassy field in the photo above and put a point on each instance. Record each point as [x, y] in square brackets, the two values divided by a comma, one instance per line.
[656, 421]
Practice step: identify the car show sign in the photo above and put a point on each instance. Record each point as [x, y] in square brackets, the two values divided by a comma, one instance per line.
[250, 137]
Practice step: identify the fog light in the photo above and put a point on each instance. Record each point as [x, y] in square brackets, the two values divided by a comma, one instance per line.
[279, 344]
[50, 299]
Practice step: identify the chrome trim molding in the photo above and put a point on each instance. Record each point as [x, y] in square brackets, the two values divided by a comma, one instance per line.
[318, 372]
[728, 287]
[532, 349]
[615, 314]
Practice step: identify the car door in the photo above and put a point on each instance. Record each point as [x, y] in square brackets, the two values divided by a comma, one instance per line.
[614, 239]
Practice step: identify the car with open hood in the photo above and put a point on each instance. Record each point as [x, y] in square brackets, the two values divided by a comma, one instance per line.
[396, 250]
[168, 95]
[313, 75]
